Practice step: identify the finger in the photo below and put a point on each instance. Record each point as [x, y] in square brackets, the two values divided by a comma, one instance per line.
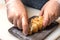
[42, 10]
[41, 13]
[10, 15]
[25, 24]
[51, 18]
[19, 23]
[10, 18]
[45, 19]
[15, 20]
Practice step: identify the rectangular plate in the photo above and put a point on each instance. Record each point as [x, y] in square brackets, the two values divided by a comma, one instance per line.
[41, 35]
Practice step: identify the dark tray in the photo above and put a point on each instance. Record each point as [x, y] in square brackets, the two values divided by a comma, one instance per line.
[41, 35]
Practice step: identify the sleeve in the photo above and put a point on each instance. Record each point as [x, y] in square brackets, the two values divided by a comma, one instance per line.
[37, 4]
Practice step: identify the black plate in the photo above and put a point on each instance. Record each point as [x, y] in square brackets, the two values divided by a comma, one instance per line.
[41, 35]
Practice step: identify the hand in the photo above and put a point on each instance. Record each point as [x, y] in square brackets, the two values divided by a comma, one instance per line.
[17, 15]
[50, 12]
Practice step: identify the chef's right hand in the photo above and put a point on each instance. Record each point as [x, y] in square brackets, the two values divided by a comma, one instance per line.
[50, 12]
[17, 15]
